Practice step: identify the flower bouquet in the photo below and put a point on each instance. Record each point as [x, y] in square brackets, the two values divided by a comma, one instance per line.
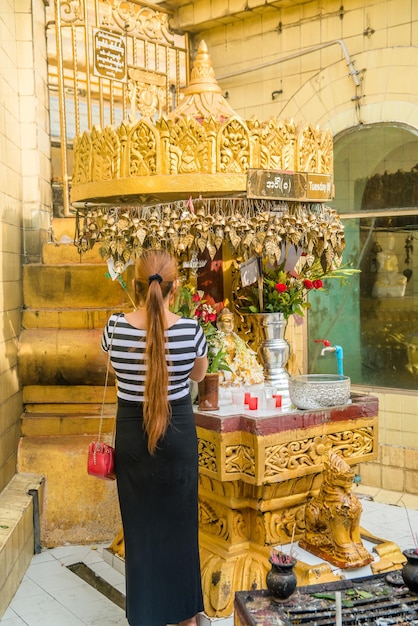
[282, 288]
[193, 303]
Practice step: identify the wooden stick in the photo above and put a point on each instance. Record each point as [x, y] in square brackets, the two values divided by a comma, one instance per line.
[338, 609]
[293, 537]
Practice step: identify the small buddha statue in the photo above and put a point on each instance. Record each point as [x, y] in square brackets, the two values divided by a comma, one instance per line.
[245, 369]
[390, 283]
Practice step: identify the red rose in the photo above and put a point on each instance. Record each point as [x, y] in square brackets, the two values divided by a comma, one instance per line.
[281, 287]
[308, 284]
[211, 317]
[318, 284]
[196, 297]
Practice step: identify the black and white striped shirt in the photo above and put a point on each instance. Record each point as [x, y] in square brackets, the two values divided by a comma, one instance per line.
[185, 341]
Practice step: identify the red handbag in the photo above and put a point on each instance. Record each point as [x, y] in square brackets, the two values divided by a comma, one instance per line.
[101, 461]
[101, 456]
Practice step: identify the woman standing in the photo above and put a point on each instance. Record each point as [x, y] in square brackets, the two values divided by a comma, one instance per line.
[154, 353]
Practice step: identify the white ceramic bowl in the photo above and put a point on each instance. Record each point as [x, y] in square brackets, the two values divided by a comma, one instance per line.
[315, 391]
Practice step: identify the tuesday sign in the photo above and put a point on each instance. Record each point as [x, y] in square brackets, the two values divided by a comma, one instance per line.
[278, 185]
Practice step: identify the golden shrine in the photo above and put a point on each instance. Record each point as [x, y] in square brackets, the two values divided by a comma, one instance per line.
[131, 186]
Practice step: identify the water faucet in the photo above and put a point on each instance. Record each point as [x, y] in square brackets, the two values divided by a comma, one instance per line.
[338, 353]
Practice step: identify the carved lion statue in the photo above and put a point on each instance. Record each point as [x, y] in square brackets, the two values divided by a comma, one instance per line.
[332, 518]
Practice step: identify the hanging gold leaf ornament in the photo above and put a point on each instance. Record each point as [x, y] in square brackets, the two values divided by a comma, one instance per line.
[212, 251]
[250, 227]
[201, 244]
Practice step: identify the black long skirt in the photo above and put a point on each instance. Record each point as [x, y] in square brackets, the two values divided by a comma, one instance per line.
[159, 508]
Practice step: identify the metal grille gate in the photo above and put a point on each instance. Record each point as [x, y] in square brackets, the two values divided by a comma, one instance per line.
[108, 61]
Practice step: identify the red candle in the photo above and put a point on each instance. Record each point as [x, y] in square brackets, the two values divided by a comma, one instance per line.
[278, 400]
[253, 404]
[247, 397]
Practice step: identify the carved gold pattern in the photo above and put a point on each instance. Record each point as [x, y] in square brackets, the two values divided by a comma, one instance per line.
[71, 11]
[129, 17]
[240, 459]
[207, 455]
[258, 461]
[211, 521]
[137, 20]
[300, 454]
[232, 147]
[146, 94]
[222, 521]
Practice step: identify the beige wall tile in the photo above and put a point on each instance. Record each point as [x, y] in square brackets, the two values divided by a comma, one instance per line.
[30, 188]
[409, 440]
[290, 41]
[411, 482]
[409, 405]
[371, 474]
[295, 13]
[394, 436]
[11, 235]
[23, 6]
[25, 55]
[393, 456]
[11, 268]
[23, 27]
[185, 14]
[236, 5]
[399, 35]
[392, 403]
[375, 80]
[252, 29]
[202, 11]
[26, 82]
[411, 459]
[408, 423]
[9, 385]
[27, 109]
[398, 12]
[393, 478]
[29, 137]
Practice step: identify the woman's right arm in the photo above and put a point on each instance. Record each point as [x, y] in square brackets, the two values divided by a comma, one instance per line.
[199, 369]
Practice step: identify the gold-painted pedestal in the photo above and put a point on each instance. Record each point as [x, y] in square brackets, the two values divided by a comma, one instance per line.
[257, 471]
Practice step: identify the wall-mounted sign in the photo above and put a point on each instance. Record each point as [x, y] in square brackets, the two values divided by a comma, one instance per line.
[109, 55]
[277, 185]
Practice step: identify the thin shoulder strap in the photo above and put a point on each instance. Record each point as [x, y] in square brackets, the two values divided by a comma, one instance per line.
[105, 385]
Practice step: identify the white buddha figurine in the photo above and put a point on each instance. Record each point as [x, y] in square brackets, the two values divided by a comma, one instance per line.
[390, 283]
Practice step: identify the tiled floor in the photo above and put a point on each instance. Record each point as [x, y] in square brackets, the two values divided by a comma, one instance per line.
[51, 595]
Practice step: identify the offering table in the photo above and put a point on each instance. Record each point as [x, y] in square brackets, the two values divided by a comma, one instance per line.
[257, 471]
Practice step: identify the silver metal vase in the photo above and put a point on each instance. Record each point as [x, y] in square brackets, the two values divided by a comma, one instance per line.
[273, 350]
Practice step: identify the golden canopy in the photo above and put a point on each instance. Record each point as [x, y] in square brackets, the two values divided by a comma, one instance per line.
[201, 148]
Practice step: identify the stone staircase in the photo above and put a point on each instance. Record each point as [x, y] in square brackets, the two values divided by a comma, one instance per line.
[67, 301]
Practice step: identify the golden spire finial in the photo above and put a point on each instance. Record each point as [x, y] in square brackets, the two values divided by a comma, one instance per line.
[202, 73]
[203, 97]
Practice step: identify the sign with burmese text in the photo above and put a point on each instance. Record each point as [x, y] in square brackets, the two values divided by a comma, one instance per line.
[109, 55]
[278, 185]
